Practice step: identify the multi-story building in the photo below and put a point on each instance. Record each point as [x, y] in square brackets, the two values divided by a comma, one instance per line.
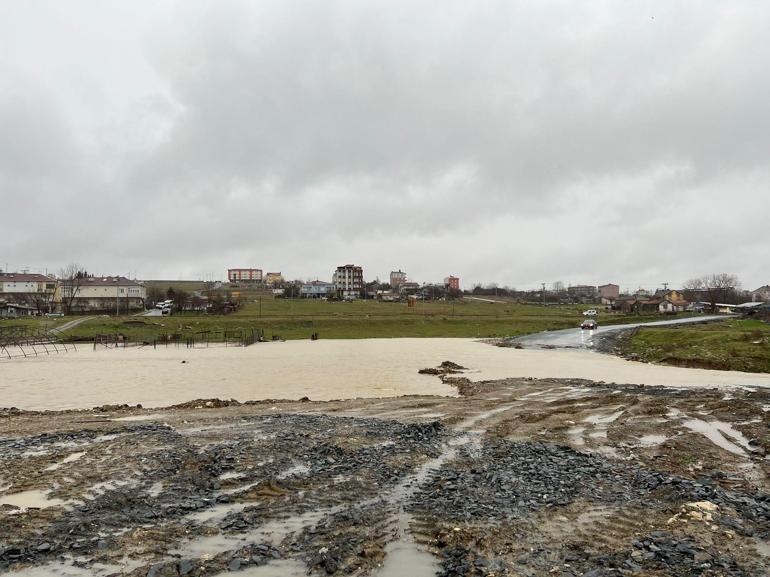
[317, 289]
[348, 281]
[245, 275]
[33, 290]
[452, 283]
[397, 278]
[273, 279]
[609, 293]
[108, 294]
[582, 292]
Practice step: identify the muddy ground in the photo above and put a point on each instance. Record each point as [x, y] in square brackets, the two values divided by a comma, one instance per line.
[515, 477]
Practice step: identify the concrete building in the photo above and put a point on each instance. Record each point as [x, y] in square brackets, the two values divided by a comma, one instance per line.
[273, 279]
[317, 289]
[583, 293]
[609, 291]
[397, 278]
[245, 275]
[348, 281]
[34, 290]
[452, 283]
[107, 294]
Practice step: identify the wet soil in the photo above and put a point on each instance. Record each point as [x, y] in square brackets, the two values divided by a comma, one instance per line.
[514, 477]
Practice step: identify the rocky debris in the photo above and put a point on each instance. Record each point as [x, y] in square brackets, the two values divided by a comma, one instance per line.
[334, 484]
[207, 404]
[115, 408]
[445, 368]
[252, 555]
[662, 551]
[345, 542]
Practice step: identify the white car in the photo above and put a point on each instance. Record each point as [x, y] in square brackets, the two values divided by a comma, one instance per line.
[590, 313]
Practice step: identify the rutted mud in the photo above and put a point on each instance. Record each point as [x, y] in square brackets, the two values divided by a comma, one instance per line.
[522, 477]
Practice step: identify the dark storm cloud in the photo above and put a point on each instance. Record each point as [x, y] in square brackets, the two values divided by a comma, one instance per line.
[502, 141]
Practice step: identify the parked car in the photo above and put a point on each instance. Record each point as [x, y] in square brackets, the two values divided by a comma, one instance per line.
[590, 313]
[589, 324]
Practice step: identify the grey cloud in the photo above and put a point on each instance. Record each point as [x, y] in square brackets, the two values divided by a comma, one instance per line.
[507, 141]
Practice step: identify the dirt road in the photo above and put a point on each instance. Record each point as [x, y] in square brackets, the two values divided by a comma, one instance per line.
[516, 477]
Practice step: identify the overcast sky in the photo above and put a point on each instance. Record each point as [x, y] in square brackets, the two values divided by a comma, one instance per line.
[508, 142]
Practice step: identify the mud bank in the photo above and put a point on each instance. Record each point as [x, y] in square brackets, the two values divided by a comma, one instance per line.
[522, 477]
[320, 370]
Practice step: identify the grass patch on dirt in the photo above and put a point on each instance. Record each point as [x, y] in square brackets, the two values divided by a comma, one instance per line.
[737, 345]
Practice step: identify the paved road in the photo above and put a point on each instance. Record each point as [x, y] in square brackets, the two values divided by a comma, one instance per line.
[579, 338]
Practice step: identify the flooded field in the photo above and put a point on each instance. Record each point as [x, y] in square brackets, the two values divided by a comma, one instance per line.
[320, 370]
[518, 477]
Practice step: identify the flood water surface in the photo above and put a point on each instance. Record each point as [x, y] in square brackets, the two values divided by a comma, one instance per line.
[320, 370]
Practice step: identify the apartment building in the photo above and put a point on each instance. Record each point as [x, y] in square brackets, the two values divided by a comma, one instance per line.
[397, 278]
[348, 281]
[245, 275]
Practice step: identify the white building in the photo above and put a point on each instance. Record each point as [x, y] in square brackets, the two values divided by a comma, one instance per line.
[348, 281]
[33, 290]
[108, 294]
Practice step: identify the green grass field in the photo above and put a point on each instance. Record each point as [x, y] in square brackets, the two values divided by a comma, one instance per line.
[739, 345]
[298, 318]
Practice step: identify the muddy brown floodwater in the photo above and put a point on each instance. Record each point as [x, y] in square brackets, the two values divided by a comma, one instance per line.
[320, 370]
[529, 477]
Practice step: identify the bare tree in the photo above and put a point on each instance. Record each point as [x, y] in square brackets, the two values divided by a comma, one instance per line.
[71, 278]
[715, 288]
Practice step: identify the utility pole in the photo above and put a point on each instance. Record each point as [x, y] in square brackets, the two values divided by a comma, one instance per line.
[665, 286]
[543, 294]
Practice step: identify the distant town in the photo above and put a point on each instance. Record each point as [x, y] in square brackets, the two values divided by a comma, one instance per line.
[77, 291]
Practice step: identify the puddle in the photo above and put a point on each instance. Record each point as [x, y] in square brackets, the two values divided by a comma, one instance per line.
[651, 440]
[216, 513]
[406, 558]
[278, 568]
[231, 475]
[105, 438]
[141, 417]
[34, 499]
[156, 489]
[555, 394]
[602, 419]
[470, 422]
[239, 488]
[763, 547]
[718, 432]
[295, 471]
[272, 532]
[577, 435]
[71, 458]
[103, 487]
[52, 570]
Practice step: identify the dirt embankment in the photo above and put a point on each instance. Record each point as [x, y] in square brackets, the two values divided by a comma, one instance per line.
[516, 477]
